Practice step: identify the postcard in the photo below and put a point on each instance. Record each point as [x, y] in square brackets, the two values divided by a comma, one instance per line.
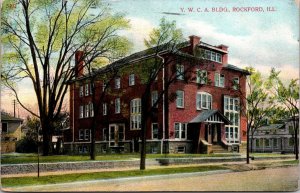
[135, 95]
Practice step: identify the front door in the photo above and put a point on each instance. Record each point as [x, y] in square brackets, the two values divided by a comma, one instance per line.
[214, 133]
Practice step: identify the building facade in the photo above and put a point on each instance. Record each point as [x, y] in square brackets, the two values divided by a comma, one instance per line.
[275, 138]
[10, 132]
[199, 111]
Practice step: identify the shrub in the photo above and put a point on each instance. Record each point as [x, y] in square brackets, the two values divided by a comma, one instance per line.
[26, 145]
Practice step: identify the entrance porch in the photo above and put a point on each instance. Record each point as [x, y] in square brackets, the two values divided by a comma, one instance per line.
[208, 132]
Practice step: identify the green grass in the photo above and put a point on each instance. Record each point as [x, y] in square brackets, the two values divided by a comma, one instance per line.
[53, 179]
[32, 158]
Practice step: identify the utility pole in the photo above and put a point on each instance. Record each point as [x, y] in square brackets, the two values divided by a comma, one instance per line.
[14, 103]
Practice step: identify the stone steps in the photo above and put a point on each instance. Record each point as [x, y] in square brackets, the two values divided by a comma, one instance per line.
[219, 149]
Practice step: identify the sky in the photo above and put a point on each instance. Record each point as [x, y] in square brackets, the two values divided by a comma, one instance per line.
[255, 38]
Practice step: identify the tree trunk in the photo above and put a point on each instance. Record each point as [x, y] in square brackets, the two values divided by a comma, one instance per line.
[92, 150]
[296, 144]
[143, 133]
[247, 150]
[251, 144]
[47, 139]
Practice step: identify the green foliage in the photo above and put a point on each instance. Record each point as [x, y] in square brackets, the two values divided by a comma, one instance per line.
[26, 145]
[166, 33]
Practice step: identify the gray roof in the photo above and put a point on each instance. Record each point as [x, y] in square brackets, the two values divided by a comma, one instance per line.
[205, 114]
[232, 67]
[270, 127]
[5, 117]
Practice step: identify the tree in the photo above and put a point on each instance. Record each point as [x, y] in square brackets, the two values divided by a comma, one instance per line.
[42, 37]
[256, 107]
[29, 143]
[287, 96]
[165, 44]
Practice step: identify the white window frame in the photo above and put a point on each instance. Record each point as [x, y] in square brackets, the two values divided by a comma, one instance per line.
[201, 76]
[152, 130]
[131, 80]
[135, 114]
[200, 97]
[154, 98]
[117, 83]
[104, 108]
[86, 88]
[87, 111]
[87, 134]
[81, 91]
[117, 106]
[213, 56]
[179, 101]
[103, 86]
[182, 128]
[236, 83]
[232, 112]
[219, 80]
[91, 108]
[81, 111]
[180, 71]
[113, 141]
[81, 134]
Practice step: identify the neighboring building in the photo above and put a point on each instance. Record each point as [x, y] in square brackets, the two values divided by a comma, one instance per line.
[10, 132]
[275, 138]
[205, 117]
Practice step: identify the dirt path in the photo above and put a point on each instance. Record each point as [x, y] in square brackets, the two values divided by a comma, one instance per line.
[276, 179]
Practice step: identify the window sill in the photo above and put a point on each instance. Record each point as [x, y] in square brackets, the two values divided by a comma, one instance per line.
[179, 107]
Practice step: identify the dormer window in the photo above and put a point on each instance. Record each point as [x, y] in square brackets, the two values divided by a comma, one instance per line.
[213, 56]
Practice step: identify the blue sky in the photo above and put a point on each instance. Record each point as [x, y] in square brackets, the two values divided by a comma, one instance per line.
[259, 39]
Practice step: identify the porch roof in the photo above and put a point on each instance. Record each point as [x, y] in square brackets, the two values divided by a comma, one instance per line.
[213, 116]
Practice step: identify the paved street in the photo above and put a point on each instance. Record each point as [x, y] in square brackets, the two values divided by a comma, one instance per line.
[278, 179]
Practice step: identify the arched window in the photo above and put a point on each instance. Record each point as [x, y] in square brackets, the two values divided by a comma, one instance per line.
[135, 114]
[203, 100]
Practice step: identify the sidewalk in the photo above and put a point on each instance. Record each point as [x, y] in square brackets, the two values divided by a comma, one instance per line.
[233, 165]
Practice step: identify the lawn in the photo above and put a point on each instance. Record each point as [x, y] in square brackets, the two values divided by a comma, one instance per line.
[32, 158]
[24, 181]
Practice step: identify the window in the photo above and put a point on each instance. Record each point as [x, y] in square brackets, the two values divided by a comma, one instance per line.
[203, 101]
[291, 141]
[180, 99]
[219, 80]
[154, 130]
[291, 130]
[117, 105]
[105, 134]
[80, 91]
[104, 108]
[87, 89]
[135, 114]
[267, 142]
[81, 111]
[116, 134]
[201, 76]
[87, 134]
[104, 86]
[131, 80]
[87, 111]
[275, 142]
[81, 134]
[256, 142]
[92, 86]
[91, 106]
[213, 56]
[231, 111]
[154, 98]
[180, 130]
[236, 83]
[117, 83]
[180, 71]
[4, 127]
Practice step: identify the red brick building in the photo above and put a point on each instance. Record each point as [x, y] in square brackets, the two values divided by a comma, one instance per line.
[205, 116]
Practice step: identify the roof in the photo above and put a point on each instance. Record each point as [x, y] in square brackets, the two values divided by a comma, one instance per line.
[270, 127]
[232, 67]
[7, 117]
[205, 114]
[150, 52]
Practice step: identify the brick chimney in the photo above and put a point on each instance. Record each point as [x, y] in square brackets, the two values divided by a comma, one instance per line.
[194, 41]
[79, 63]
[225, 56]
